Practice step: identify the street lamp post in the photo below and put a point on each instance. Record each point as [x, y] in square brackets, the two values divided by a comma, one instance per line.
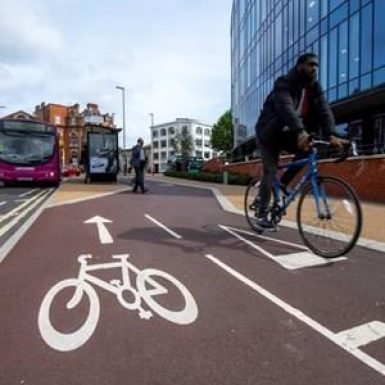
[151, 144]
[124, 114]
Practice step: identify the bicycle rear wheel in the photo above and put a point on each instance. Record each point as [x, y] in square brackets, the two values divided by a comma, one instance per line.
[249, 203]
[334, 229]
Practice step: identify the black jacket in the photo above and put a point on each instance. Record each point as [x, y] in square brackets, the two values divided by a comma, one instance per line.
[279, 110]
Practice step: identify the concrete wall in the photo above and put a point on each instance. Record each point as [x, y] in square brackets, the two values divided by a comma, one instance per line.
[365, 174]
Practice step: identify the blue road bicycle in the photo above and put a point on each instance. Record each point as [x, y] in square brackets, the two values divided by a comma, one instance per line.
[329, 216]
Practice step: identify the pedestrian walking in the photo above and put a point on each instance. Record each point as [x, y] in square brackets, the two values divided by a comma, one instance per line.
[139, 162]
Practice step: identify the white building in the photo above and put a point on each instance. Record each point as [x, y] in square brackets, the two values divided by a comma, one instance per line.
[163, 135]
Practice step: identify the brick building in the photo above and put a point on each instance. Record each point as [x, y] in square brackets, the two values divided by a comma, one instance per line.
[73, 126]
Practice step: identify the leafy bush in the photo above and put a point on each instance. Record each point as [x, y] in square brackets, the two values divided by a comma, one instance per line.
[235, 179]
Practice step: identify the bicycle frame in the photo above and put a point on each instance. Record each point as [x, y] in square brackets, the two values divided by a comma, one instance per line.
[311, 174]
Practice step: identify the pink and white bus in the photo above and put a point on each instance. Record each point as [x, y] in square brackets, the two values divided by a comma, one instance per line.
[29, 152]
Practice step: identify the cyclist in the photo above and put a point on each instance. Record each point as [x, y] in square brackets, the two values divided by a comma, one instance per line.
[295, 108]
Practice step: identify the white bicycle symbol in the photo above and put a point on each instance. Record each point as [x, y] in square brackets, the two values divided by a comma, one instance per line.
[70, 341]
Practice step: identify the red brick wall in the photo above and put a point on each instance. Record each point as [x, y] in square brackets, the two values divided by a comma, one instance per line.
[365, 174]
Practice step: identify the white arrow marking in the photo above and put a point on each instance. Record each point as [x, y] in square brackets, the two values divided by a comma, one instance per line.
[104, 235]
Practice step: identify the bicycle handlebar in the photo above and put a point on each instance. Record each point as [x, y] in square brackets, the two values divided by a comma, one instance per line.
[349, 149]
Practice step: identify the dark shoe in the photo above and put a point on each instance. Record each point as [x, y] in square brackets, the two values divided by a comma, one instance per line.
[264, 224]
[134, 190]
[144, 191]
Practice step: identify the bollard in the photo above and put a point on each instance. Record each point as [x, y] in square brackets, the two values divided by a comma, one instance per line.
[225, 177]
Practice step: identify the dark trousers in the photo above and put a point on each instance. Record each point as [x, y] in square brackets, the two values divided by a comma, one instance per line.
[139, 178]
[270, 157]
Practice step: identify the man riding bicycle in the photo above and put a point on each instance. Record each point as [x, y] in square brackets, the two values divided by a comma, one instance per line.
[295, 108]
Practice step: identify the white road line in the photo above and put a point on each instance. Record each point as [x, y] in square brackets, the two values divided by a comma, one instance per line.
[276, 240]
[288, 261]
[173, 233]
[304, 259]
[251, 244]
[3, 203]
[10, 243]
[291, 261]
[363, 334]
[27, 193]
[17, 209]
[333, 337]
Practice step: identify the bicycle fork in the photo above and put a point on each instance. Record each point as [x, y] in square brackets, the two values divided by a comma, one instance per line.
[320, 200]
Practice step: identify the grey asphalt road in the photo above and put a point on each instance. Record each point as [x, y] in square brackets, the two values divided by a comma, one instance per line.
[200, 300]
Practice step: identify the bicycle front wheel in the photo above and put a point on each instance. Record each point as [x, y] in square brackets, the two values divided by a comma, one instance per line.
[250, 204]
[330, 219]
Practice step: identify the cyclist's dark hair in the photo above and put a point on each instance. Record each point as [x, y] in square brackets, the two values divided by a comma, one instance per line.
[305, 57]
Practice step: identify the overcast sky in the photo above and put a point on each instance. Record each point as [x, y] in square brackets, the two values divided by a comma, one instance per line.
[172, 56]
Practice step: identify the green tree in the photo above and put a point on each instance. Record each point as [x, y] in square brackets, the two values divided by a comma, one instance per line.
[183, 145]
[222, 134]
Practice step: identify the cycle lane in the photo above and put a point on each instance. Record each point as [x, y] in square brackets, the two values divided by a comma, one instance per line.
[226, 344]
[346, 293]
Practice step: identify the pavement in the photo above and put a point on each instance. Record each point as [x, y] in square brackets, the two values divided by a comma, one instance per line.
[230, 197]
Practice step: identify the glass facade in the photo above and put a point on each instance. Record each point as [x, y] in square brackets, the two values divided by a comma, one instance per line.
[267, 36]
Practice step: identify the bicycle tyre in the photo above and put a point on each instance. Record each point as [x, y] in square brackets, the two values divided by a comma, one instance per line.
[251, 192]
[68, 341]
[333, 243]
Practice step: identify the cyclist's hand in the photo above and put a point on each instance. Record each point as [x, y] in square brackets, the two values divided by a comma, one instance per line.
[303, 141]
[337, 142]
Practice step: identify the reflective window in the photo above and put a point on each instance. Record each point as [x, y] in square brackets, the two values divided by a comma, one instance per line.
[334, 4]
[353, 86]
[354, 54]
[324, 8]
[379, 33]
[366, 82]
[323, 62]
[354, 5]
[163, 132]
[343, 53]
[338, 15]
[333, 55]
[342, 90]
[366, 39]
[379, 76]
[312, 13]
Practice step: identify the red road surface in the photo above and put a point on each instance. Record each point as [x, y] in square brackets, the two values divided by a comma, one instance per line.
[257, 322]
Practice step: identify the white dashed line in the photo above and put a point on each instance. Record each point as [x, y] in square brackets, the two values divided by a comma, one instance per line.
[173, 233]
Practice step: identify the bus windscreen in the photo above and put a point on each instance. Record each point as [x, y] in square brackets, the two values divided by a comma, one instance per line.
[20, 147]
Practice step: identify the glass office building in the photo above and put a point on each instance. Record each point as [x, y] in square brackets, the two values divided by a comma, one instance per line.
[267, 36]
